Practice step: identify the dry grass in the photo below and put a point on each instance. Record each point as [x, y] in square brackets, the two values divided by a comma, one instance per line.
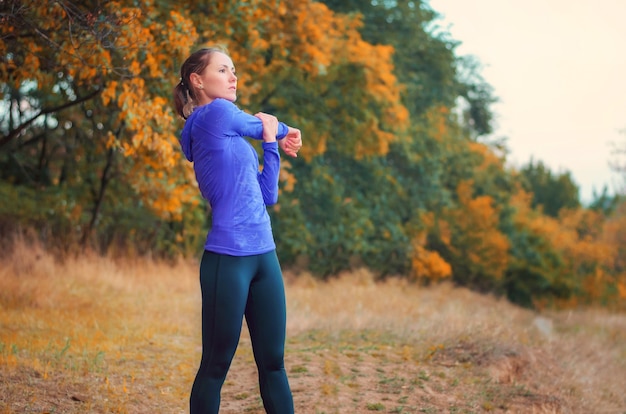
[93, 335]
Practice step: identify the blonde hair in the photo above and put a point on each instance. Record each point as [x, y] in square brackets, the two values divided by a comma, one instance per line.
[184, 93]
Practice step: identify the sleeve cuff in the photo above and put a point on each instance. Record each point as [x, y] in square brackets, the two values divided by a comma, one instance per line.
[282, 130]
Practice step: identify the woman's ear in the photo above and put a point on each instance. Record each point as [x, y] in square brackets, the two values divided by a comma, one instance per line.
[196, 81]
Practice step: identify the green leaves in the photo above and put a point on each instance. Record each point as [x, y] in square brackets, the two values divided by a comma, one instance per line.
[551, 192]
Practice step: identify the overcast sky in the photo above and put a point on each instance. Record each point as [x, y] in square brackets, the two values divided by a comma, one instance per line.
[558, 68]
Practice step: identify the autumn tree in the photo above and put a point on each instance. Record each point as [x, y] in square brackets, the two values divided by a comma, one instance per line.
[87, 123]
[388, 185]
[311, 67]
[99, 117]
[425, 60]
[536, 267]
[551, 192]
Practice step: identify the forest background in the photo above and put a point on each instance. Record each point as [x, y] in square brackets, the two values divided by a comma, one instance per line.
[399, 173]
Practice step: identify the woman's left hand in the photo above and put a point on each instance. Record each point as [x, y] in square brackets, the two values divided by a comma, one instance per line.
[270, 126]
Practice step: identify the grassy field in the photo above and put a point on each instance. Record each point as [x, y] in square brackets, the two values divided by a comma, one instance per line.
[93, 335]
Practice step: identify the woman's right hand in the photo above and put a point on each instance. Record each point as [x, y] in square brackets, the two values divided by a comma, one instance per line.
[292, 142]
[270, 126]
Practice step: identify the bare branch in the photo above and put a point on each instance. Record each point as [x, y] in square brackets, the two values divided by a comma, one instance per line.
[46, 111]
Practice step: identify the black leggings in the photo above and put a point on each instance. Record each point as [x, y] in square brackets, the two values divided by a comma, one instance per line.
[231, 288]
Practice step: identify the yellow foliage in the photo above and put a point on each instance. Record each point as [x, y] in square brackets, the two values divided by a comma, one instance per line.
[318, 31]
[475, 237]
[426, 264]
[621, 288]
[286, 177]
[133, 53]
[108, 94]
[180, 33]
[309, 38]
[490, 159]
[589, 245]
[614, 234]
[436, 118]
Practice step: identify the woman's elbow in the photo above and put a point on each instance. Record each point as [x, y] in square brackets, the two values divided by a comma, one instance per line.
[270, 201]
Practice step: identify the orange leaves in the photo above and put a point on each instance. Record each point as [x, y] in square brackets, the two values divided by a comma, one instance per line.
[318, 30]
[379, 69]
[586, 249]
[621, 289]
[287, 178]
[614, 233]
[476, 238]
[425, 263]
[133, 35]
[436, 121]
[374, 140]
[128, 50]
[430, 265]
[180, 32]
[382, 87]
[152, 63]
[166, 196]
[109, 93]
[145, 110]
[489, 158]
[481, 210]
[29, 69]
[150, 121]
[31, 60]
[590, 247]
[306, 42]
[153, 148]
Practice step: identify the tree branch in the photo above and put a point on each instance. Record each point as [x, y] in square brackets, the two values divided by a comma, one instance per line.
[46, 111]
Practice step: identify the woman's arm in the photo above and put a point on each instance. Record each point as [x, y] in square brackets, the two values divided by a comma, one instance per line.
[242, 123]
[248, 125]
[290, 144]
[268, 178]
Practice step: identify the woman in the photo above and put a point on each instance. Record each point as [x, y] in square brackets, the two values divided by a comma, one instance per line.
[239, 273]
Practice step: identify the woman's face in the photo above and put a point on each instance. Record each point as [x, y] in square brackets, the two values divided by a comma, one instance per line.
[218, 80]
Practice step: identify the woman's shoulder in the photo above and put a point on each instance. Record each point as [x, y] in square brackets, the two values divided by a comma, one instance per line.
[218, 103]
[222, 104]
[216, 108]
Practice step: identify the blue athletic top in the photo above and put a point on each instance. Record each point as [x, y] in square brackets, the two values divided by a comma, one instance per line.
[227, 171]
